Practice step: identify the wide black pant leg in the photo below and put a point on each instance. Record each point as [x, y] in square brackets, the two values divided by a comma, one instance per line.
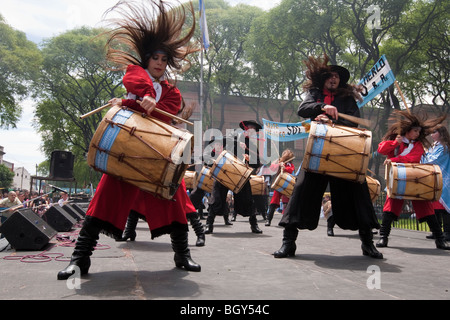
[243, 201]
[217, 204]
[303, 209]
[196, 197]
[352, 206]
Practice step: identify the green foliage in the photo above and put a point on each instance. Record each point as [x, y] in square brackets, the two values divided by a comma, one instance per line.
[20, 60]
[75, 80]
[6, 177]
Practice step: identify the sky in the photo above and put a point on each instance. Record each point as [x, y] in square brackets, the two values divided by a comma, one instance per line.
[41, 19]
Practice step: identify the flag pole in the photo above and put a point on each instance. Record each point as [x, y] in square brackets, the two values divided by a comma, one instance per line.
[401, 94]
[201, 86]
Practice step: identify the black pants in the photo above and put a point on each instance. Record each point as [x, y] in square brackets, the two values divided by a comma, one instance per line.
[352, 206]
[196, 197]
[243, 201]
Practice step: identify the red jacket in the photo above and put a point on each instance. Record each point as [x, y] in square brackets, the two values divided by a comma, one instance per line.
[389, 149]
[138, 82]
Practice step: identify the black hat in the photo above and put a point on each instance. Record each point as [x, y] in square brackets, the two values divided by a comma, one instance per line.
[244, 124]
[344, 74]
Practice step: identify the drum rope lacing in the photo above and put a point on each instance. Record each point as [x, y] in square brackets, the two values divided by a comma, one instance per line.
[418, 180]
[327, 156]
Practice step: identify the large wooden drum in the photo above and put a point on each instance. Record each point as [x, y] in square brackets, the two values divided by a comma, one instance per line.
[413, 181]
[230, 172]
[258, 185]
[205, 180]
[284, 183]
[141, 150]
[338, 151]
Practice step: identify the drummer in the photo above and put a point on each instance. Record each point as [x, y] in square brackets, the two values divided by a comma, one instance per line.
[328, 93]
[154, 48]
[243, 202]
[285, 164]
[404, 143]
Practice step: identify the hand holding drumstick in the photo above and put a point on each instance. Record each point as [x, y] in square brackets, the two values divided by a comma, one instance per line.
[148, 103]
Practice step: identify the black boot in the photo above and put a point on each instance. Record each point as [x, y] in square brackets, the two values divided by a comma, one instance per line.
[86, 242]
[385, 229]
[288, 247]
[367, 246]
[226, 219]
[437, 232]
[209, 223]
[182, 255]
[130, 228]
[198, 228]
[438, 215]
[446, 224]
[254, 224]
[272, 208]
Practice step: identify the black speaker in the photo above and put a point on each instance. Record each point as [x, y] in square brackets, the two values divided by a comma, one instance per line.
[59, 219]
[70, 210]
[79, 208]
[61, 164]
[25, 230]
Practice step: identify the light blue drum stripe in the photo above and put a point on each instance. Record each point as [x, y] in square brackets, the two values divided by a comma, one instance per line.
[314, 161]
[401, 175]
[108, 138]
[220, 164]
[285, 184]
[203, 174]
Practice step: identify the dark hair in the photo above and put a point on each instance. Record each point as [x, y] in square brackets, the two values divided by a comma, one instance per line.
[318, 71]
[406, 120]
[143, 30]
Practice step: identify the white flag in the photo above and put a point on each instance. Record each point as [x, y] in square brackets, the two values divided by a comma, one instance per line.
[203, 25]
[379, 78]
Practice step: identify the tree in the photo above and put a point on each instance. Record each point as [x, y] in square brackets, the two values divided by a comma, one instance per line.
[20, 60]
[75, 79]
[6, 177]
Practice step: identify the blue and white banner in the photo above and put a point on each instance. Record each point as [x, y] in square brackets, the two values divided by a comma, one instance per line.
[283, 132]
[379, 78]
[203, 24]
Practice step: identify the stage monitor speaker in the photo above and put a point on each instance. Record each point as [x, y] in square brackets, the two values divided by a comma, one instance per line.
[61, 164]
[59, 219]
[70, 210]
[25, 230]
[78, 208]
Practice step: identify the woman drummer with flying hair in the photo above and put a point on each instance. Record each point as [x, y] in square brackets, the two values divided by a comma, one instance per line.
[146, 41]
[404, 143]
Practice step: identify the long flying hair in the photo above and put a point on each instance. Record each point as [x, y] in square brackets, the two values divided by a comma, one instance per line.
[147, 27]
[405, 121]
[318, 71]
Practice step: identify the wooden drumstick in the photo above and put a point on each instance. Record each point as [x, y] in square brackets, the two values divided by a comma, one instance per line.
[361, 121]
[156, 109]
[169, 114]
[289, 160]
[95, 111]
